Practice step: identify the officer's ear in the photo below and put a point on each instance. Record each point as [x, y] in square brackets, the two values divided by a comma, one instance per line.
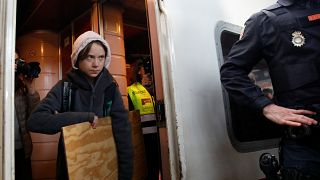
[241, 33]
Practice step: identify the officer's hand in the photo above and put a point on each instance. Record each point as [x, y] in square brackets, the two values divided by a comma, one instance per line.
[286, 116]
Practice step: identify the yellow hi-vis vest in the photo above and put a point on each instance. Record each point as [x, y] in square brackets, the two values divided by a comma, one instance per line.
[141, 99]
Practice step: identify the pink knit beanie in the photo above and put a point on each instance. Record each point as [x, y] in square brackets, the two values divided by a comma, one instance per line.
[82, 41]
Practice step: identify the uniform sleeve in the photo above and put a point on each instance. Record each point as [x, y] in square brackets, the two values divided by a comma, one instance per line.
[245, 53]
[122, 134]
[46, 118]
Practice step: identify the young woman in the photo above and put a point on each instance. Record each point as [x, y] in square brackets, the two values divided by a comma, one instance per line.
[90, 82]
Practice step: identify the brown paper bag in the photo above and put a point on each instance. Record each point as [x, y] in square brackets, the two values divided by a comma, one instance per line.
[90, 153]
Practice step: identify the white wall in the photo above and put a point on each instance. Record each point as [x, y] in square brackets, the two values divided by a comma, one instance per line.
[208, 153]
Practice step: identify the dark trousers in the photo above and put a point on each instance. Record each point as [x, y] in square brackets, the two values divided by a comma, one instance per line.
[152, 155]
[300, 159]
[296, 174]
[22, 166]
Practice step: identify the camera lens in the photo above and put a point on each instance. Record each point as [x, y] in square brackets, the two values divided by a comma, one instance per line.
[30, 70]
[33, 69]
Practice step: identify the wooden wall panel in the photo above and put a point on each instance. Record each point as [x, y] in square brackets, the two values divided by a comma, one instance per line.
[122, 82]
[82, 24]
[65, 50]
[44, 155]
[37, 137]
[43, 169]
[44, 151]
[113, 33]
[116, 44]
[118, 65]
[139, 157]
[42, 47]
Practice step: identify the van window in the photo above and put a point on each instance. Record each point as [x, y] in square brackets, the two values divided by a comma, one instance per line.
[248, 129]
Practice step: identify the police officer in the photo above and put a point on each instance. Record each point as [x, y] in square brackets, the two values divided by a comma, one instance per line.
[287, 36]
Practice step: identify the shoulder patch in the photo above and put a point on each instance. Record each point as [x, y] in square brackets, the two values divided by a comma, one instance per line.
[272, 7]
[286, 2]
[274, 10]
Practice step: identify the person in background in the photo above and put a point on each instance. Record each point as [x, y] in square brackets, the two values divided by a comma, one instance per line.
[140, 99]
[91, 83]
[287, 36]
[25, 99]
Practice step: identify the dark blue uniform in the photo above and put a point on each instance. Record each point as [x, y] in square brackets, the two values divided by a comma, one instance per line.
[287, 36]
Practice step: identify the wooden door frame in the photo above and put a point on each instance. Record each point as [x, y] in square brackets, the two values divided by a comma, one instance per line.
[163, 57]
[169, 156]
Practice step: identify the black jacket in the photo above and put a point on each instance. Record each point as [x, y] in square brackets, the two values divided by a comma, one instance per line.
[294, 68]
[87, 101]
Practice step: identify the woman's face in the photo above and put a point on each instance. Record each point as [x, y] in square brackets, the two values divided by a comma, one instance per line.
[93, 64]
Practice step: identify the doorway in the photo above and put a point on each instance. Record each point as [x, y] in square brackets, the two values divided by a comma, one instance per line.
[67, 18]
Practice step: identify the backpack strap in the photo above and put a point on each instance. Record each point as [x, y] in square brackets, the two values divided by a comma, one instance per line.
[108, 98]
[66, 96]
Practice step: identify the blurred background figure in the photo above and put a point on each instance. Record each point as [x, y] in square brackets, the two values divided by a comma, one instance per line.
[26, 98]
[141, 98]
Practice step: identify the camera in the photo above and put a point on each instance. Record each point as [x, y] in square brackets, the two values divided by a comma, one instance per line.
[30, 70]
